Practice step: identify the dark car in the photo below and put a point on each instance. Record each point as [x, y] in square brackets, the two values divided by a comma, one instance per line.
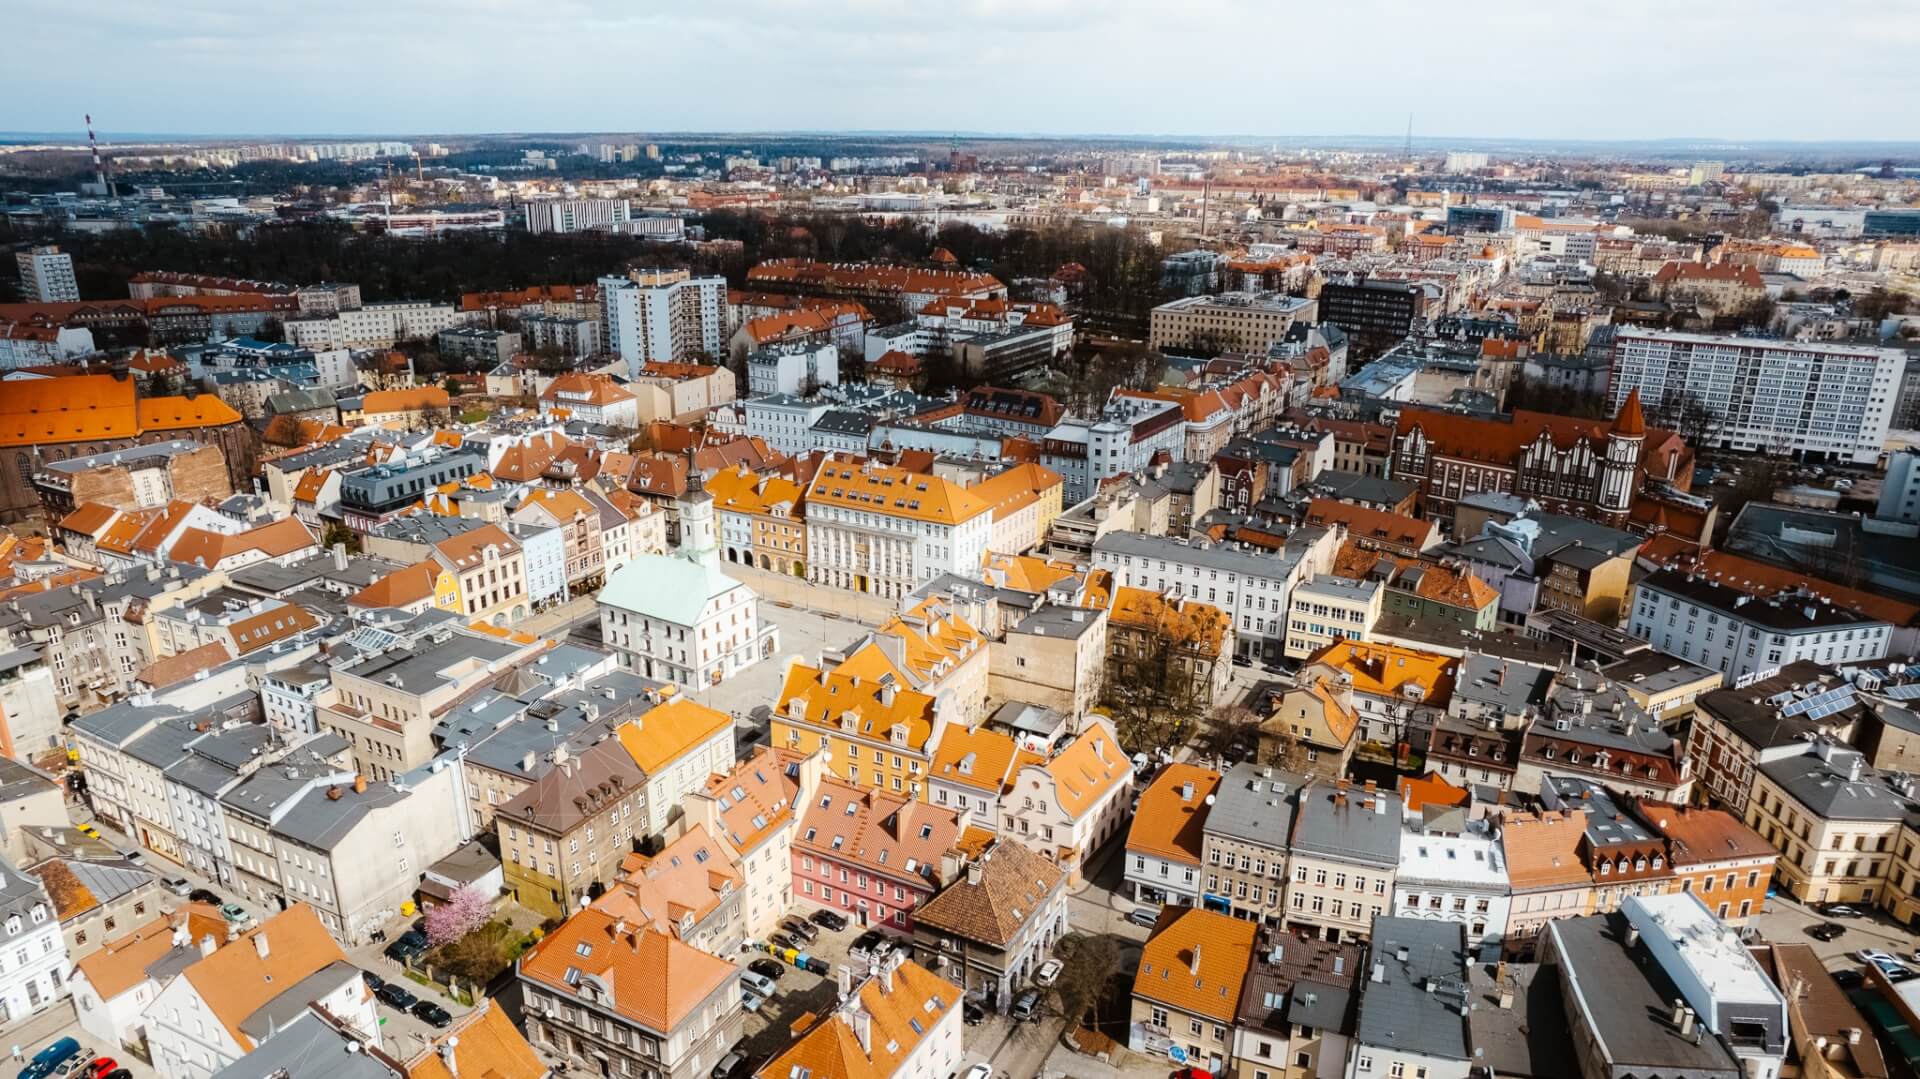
[396, 996]
[1849, 979]
[868, 947]
[1839, 910]
[1826, 931]
[202, 895]
[407, 946]
[801, 930]
[813, 964]
[782, 940]
[973, 1014]
[431, 1014]
[828, 920]
[374, 981]
[767, 968]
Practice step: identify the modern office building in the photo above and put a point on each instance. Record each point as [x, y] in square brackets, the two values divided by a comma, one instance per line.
[1227, 322]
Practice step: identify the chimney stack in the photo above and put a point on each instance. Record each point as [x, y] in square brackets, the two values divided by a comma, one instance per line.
[863, 1029]
[359, 784]
[843, 980]
[1686, 1024]
[208, 945]
[1193, 961]
[260, 943]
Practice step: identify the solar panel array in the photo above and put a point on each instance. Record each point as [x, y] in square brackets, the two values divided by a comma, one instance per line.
[1821, 705]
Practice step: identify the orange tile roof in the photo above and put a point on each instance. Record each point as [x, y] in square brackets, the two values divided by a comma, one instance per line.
[121, 963]
[894, 492]
[1016, 488]
[1196, 961]
[595, 389]
[184, 413]
[1385, 670]
[667, 731]
[1090, 766]
[978, 758]
[236, 981]
[1701, 836]
[1431, 789]
[465, 550]
[89, 518]
[119, 536]
[1742, 275]
[889, 833]
[412, 399]
[271, 626]
[168, 670]
[1168, 825]
[1453, 585]
[692, 875]
[898, 1018]
[758, 796]
[1543, 851]
[1365, 523]
[528, 297]
[484, 1044]
[824, 699]
[1027, 573]
[162, 526]
[656, 980]
[402, 587]
[869, 276]
[276, 539]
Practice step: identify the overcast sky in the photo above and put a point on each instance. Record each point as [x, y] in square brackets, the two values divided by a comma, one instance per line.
[1753, 69]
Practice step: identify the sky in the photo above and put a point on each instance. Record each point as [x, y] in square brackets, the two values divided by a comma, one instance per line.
[1550, 69]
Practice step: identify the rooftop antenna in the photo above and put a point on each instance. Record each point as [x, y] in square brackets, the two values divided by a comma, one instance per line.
[99, 168]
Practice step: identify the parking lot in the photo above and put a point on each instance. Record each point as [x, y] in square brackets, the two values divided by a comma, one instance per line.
[1786, 921]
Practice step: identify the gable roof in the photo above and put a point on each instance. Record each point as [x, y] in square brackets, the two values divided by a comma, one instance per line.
[123, 962]
[404, 586]
[236, 981]
[1169, 821]
[656, 981]
[659, 737]
[484, 1044]
[901, 1007]
[1196, 961]
[1012, 884]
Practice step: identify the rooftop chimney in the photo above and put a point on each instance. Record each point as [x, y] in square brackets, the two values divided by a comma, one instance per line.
[1193, 961]
[260, 943]
[1686, 1023]
[359, 784]
[863, 1029]
[208, 945]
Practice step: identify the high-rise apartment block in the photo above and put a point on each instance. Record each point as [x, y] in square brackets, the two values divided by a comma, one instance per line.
[664, 315]
[577, 215]
[1808, 398]
[46, 276]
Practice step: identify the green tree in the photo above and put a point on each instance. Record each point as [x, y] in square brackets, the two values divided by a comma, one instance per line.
[337, 535]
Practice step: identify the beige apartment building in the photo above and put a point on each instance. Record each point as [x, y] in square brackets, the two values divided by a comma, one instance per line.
[569, 830]
[1835, 822]
[1345, 851]
[1244, 844]
[1229, 322]
[386, 705]
[1054, 658]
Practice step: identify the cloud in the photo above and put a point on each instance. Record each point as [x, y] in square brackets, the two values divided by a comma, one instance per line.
[1628, 68]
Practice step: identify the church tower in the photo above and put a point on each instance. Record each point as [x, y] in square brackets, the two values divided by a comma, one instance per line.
[696, 522]
[1626, 441]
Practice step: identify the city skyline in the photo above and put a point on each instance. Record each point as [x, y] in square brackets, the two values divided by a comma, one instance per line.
[209, 68]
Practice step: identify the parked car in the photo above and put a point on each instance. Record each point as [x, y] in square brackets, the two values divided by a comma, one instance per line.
[119, 1073]
[980, 1071]
[1826, 931]
[728, 1065]
[758, 983]
[1191, 1072]
[1839, 910]
[406, 946]
[1143, 916]
[750, 1000]
[870, 946]
[1048, 973]
[783, 940]
[1849, 979]
[89, 830]
[202, 895]
[431, 1014]
[396, 996]
[1885, 962]
[235, 913]
[374, 981]
[801, 929]
[50, 1058]
[1025, 1006]
[176, 884]
[1901, 974]
[100, 1066]
[829, 920]
[973, 1014]
[767, 968]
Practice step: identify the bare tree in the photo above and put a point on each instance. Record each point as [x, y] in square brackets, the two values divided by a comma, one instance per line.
[1088, 967]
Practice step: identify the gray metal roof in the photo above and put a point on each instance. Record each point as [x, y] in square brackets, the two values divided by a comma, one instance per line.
[19, 780]
[1259, 563]
[307, 1047]
[320, 822]
[290, 1003]
[1255, 803]
[1832, 791]
[1415, 997]
[1620, 993]
[1501, 684]
[1528, 1038]
[19, 891]
[418, 668]
[1336, 824]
